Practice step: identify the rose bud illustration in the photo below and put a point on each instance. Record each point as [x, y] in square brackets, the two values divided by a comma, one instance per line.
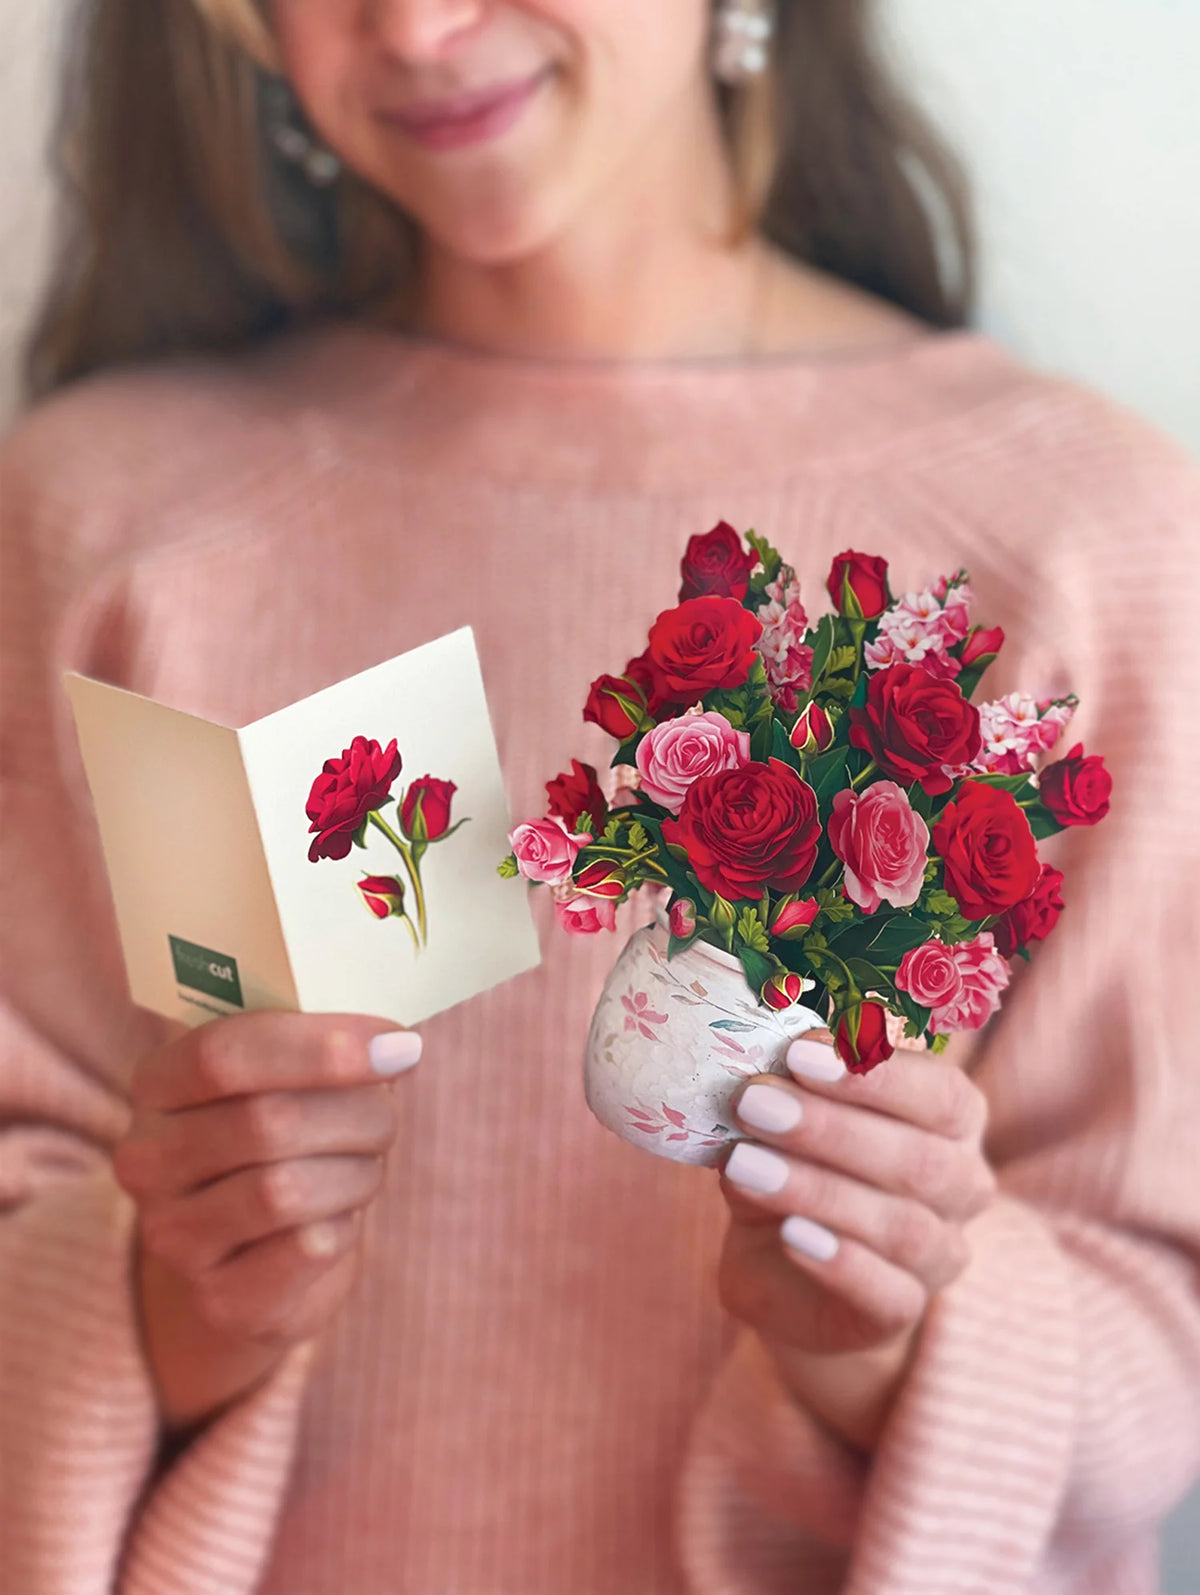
[793, 918]
[982, 646]
[601, 879]
[783, 991]
[861, 1037]
[682, 918]
[425, 809]
[812, 732]
[858, 585]
[383, 894]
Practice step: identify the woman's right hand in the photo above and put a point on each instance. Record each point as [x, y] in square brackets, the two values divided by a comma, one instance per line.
[255, 1145]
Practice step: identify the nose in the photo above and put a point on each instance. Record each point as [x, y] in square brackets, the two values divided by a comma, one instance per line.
[424, 30]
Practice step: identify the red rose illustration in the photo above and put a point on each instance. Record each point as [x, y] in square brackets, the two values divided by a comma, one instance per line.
[991, 857]
[913, 724]
[575, 793]
[749, 828]
[704, 645]
[346, 791]
[861, 1037]
[617, 704]
[1076, 790]
[1034, 917]
[858, 585]
[717, 563]
[783, 991]
[425, 809]
[383, 894]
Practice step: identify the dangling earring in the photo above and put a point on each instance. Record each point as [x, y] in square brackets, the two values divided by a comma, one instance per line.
[742, 30]
[289, 135]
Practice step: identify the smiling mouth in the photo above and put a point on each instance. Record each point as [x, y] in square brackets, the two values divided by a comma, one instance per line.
[467, 118]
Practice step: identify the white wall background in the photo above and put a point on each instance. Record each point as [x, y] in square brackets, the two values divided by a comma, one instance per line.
[1080, 120]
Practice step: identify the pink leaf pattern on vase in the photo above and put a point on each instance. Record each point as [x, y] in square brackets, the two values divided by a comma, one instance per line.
[671, 1124]
[640, 1016]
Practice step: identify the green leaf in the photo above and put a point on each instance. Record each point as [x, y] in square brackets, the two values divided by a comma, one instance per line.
[639, 837]
[939, 1044]
[821, 647]
[940, 905]
[752, 930]
[917, 1016]
[920, 801]
[841, 659]
[1041, 822]
[612, 831]
[757, 967]
[898, 935]
[838, 687]
[870, 978]
[771, 559]
[859, 696]
[627, 752]
[507, 867]
[836, 908]
[826, 774]
[1006, 783]
[729, 1024]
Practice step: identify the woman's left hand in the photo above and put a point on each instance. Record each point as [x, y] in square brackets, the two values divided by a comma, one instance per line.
[847, 1210]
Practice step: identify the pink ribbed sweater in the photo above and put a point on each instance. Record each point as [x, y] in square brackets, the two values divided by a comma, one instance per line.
[535, 1391]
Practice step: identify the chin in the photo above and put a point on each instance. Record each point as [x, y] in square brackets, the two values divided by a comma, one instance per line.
[495, 231]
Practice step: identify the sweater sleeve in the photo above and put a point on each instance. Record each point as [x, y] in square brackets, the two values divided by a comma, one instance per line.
[1051, 1418]
[88, 1501]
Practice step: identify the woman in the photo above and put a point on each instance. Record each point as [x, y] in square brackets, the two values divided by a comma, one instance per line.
[528, 292]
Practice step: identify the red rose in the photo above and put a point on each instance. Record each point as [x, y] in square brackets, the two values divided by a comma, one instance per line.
[717, 563]
[1034, 917]
[383, 894]
[991, 857]
[705, 645]
[861, 1037]
[858, 585]
[425, 809]
[912, 724]
[783, 991]
[617, 705]
[1076, 790]
[346, 791]
[813, 731]
[749, 828]
[575, 793]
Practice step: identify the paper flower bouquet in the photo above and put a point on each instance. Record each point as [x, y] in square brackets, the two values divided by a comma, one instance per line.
[840, 836]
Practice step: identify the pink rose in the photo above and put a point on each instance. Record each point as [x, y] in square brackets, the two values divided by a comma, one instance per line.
[546, 851]
[882, 841]
[584, 916]
[678, 752]
[930, 975]
[984, 976]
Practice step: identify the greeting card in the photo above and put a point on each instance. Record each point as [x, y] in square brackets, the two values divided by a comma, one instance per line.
[336, 856]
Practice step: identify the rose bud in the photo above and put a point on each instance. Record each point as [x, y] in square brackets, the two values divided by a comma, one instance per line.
[1076, 790]
[601, 879]
[812, 732]
[858, 585]
[861, 1037]
[982, 646]
[783, 991]
[717, 563]
[682, 918]
[617, 705]
[793, 918]
[425, 809]
[383, 894]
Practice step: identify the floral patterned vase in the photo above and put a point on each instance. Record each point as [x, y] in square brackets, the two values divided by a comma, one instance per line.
[672, 1040]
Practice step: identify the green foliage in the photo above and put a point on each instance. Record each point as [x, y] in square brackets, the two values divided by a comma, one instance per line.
[748, 708]
[757, 967]
[871, 979]
[826, 775]
[920, 801]
[507, 867]
[612, 831]
[940, 905]
[1041, 822]
[840, 687]
[841, 659]
[752, 930]
[781, 748]
[1005, 783]
[822, 647]
[770, 558]
[917, 1016]
[834, 907]
[639, 837]
[939, 1044]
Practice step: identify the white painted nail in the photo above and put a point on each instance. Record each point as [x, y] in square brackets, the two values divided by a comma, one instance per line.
[394, 1051]
[813, 1240]
[757, 1168]
[770, 1108]
[814, 1060]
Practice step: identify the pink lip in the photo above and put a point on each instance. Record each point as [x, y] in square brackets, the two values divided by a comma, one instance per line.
[466, 118]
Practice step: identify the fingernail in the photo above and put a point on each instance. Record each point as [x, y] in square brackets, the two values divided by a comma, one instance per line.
[814, 1060]
[394, 1051]
[757, 1168]
[319, 1240]
[812, 1240]
[769, 1108]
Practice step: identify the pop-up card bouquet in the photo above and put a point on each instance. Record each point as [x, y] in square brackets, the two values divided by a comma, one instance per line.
[838, 835]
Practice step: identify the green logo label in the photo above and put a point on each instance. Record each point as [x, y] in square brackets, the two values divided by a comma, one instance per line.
[201, 969]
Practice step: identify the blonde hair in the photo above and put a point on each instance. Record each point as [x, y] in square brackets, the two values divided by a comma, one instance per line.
[180, 228]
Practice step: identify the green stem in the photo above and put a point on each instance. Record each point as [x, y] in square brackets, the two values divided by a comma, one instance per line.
[414, 873]
[830, 874]
[871, 768]
[412, 931]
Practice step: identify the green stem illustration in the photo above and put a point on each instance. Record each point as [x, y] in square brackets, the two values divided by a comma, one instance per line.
[414, 873]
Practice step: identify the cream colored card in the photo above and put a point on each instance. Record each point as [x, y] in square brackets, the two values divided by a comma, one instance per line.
[207, 836]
